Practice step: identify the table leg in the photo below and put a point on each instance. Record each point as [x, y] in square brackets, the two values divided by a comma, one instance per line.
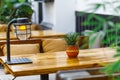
[1, 66]
[44, 76]
[14, 78]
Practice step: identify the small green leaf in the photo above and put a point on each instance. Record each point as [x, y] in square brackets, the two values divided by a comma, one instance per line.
[117, 78]
[21, 0]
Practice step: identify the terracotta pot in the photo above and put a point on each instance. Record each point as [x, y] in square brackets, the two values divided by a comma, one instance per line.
[72, 51]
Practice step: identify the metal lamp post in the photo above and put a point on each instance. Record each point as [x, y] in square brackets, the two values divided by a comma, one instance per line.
[23, 32]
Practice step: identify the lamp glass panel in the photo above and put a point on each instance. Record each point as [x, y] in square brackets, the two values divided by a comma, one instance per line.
[22, 27]
[23, 32]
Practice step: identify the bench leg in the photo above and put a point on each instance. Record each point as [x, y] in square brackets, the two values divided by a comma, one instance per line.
[44, 76]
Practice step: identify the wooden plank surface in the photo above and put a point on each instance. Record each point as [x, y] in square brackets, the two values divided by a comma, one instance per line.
[45, 63]
[35, 34]
[30, 41]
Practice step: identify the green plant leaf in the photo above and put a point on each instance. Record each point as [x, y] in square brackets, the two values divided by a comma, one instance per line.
[111, 68]
[10, 9]
[96, 6]
[117, 78]
[71, 38]
[21, 0]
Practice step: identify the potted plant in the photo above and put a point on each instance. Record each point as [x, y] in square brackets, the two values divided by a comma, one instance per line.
[10, 9]
[72, 49]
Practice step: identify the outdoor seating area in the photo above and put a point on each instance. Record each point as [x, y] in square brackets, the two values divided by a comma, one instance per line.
[59, 40]
[42, 46]
[43, 63]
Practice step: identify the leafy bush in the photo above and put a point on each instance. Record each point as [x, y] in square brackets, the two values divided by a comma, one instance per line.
[111, 28]
[10, 9]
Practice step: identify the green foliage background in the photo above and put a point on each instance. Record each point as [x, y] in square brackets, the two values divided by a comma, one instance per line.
[108, 27]
[10, 9]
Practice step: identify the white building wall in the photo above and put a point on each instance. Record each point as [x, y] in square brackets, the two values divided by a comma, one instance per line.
[86, 5]
[48, 12]
[35, 14]
[61, 13]
[64, 15]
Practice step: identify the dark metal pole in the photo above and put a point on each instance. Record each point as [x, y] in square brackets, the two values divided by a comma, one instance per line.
[40, 10]
[44, 76]
[8, 38]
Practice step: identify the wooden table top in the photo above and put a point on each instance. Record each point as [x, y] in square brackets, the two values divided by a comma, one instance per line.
[35, 34]
[45, 63]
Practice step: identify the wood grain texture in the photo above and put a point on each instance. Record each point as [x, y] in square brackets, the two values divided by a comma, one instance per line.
[52, 62]
[30, 41]
[35, 34]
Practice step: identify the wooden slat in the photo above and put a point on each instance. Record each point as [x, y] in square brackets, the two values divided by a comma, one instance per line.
[31, 41]
[35, 34]
[52, 62]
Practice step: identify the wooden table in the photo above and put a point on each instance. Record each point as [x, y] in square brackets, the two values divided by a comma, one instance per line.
[35, 34]
[47, 63]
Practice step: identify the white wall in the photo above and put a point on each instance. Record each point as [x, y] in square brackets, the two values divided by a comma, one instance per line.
[61, 13]
[85, 5]
[35, 14]
[64, 16]
[48, 12]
